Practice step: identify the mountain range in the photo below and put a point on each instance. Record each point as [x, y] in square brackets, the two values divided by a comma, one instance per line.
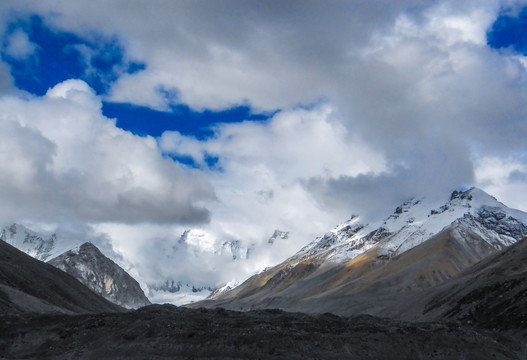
[84, 261]
[163, 287]
[378, 268]
[431, 280]
[386, 267]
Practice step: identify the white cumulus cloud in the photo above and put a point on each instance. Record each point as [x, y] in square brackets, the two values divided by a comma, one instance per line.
[61, 158]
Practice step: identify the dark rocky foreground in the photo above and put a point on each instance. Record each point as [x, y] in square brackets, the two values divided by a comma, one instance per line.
[165, 331]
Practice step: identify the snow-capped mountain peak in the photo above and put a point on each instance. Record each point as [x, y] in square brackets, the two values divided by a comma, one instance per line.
[414, 222]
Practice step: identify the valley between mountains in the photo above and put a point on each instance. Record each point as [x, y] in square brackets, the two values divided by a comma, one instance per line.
[433, 280]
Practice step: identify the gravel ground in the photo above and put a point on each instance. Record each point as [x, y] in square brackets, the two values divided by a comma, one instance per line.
[165, 331]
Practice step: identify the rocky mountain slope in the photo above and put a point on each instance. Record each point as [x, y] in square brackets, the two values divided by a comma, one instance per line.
[29, 285]
[490, 294]
[88, 265]
[378, 268]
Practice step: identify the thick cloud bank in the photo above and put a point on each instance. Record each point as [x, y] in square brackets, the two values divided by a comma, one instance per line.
[61, 159]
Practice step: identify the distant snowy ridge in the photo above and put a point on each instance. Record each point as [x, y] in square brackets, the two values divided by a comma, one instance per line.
[180, 291]
[416, 221]
[40, 246]
[223, 289]
[177, 292]
[175, 286]
[203, 242]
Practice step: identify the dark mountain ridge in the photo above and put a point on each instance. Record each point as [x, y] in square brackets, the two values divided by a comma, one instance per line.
[107, 279]
[29, 285]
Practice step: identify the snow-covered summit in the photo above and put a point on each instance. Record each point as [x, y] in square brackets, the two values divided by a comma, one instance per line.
[199, 241]
[416, 221]
[40, 246]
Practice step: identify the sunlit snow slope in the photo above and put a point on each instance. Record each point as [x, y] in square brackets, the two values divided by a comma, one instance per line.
[377, 267]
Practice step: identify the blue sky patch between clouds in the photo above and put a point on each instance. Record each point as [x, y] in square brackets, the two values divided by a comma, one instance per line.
[509, 31]
[60, 56]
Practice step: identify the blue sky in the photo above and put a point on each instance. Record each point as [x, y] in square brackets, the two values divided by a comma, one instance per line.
[292, 115]
[58, 58]
[510, 31]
